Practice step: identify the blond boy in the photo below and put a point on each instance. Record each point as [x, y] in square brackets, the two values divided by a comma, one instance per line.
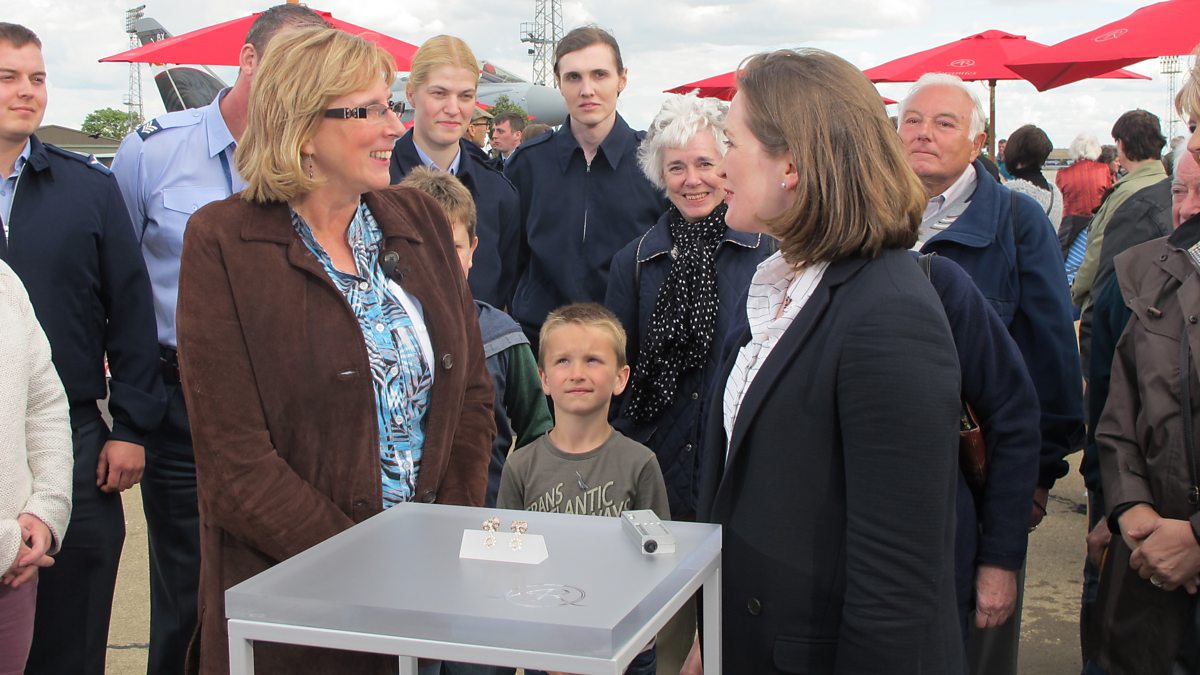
[583, 465]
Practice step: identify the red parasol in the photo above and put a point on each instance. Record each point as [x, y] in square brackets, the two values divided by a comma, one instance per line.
[982, 56]
[1170, 28]
[220, 44]
[722, 86]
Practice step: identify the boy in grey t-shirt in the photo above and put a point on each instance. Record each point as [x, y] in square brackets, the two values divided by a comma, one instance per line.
[583, 465]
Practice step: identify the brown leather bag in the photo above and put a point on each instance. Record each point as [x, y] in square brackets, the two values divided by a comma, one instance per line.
[972, 453]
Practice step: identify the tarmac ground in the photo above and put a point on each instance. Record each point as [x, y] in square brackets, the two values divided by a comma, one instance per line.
[1049, 628]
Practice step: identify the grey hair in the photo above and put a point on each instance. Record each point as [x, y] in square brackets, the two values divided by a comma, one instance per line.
[978, 120]
[1085, 146]
[1179, 152]
[676, 124]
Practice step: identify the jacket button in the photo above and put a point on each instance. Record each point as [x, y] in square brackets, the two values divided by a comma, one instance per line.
[360, 505]
[429, 497]
[1162, 257]
[754, 606]
[695, 395]
[447, 361]
[1192, 319]
[687, 448]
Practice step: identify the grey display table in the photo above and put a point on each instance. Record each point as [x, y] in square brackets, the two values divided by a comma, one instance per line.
[395, 585]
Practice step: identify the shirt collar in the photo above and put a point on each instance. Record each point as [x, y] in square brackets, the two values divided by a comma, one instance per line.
[428, 161]
[1149, 169]
[21, 160]
[962, 187]
[219, 136]
[612, 148]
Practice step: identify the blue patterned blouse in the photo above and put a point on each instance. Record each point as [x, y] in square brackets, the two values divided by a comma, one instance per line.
[400, 371]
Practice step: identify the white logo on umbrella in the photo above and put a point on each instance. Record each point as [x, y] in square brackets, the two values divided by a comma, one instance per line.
[1111, 35]
[962, 63]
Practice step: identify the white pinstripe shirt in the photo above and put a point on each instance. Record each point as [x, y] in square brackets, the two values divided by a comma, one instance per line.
[777, 294]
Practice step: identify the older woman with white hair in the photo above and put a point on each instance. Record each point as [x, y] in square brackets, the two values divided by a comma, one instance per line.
[1083, 182]
[676, 289]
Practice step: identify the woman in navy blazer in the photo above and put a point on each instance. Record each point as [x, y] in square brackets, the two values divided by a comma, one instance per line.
[832, 439]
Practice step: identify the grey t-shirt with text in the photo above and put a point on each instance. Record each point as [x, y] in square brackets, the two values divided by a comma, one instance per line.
[620, 474]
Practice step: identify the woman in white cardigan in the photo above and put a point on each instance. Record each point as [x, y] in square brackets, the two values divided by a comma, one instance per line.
[35, 467]
[1024, 156]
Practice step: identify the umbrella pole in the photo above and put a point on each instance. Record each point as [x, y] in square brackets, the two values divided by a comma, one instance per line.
[991, 138]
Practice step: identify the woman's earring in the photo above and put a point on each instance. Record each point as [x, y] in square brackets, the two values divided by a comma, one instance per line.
[782, 184]
[307, 161]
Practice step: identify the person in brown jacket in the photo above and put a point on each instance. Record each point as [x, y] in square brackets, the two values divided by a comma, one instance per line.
[1148, 446]
[330, 355]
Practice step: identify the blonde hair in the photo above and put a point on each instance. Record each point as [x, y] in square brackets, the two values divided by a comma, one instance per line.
[588, 315]
[437, 51]
[449, 192]
[856, 193]
[1187, 101]
[302, 72]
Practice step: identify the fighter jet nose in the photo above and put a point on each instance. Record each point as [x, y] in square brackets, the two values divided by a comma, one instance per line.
[546, 105]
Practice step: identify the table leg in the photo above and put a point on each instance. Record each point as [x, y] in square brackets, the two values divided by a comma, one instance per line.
[712, 623]
[408, 665]
[241, 651]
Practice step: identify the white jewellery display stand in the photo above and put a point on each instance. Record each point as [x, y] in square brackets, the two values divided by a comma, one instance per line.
[396, 584]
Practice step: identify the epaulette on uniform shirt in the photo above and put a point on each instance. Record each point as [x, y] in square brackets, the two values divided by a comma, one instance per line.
[89, 160]
[179, 118]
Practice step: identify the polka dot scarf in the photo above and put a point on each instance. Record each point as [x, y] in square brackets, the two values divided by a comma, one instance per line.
[684, 321]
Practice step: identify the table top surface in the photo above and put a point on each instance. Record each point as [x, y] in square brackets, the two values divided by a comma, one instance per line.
[400, 574]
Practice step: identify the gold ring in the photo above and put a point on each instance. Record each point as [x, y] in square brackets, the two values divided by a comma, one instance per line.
[1156, 581]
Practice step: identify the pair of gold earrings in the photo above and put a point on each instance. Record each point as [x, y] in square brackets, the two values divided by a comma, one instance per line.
[492, 526]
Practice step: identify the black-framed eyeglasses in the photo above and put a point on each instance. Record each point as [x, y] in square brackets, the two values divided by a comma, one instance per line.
[376, 112]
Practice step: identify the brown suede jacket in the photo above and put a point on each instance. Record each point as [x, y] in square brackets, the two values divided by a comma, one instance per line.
[279, 394]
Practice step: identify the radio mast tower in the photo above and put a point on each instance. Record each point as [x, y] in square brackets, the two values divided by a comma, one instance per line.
[1170, 68]
[133, 99]
[543, 34]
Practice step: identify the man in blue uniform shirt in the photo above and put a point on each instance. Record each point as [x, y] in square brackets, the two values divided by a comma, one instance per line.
[583, 196]
[66, 234]
[167, 169]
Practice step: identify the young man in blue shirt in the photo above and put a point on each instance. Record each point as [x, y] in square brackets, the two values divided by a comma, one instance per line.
[583, 196]
[66, 234]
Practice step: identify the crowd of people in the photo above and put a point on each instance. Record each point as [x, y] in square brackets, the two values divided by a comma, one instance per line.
[311, 314]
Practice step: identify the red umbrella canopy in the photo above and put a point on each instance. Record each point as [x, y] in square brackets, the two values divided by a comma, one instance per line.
[1168, 28]
[983, 56]
[718, 86]
[722, 86]
[219, 44]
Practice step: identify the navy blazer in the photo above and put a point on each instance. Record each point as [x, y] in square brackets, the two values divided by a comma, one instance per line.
[71, 243]
[494, 269]
[996, 383]
[1027, 289]
[836, 492]
[575, 216]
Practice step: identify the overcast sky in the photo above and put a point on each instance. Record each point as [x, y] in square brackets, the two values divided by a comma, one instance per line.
[664, 42]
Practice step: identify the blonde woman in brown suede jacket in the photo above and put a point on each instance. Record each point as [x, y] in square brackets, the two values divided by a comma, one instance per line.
[287, 374]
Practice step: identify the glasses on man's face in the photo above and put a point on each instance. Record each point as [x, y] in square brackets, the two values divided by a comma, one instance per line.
[376, 112]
